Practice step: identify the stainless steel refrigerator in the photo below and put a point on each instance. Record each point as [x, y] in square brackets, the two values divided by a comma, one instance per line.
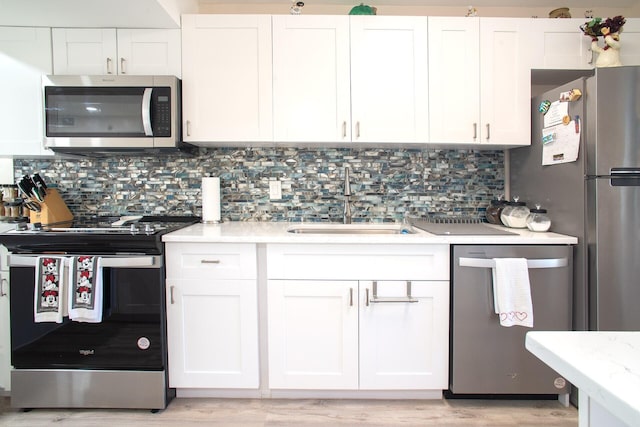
[597, 197]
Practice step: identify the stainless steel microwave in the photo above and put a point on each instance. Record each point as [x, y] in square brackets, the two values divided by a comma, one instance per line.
[111, 113]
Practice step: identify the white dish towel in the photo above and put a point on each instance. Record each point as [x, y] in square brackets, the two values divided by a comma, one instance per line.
[50, 301]
[85, 289]
[512, 292]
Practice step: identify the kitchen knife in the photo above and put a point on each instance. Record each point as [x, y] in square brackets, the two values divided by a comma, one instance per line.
[34, 189]
[25, 187]
[40, 184]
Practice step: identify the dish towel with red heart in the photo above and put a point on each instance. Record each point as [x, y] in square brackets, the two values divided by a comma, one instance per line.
[50, 302]
[512, 292]
[85, 289]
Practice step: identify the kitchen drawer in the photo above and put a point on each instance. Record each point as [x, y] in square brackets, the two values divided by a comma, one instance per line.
[358, 262]
[211, 261]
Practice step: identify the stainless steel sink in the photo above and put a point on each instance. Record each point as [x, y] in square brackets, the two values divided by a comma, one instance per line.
[350, 229]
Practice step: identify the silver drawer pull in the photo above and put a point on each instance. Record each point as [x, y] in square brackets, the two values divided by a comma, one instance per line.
[376, 299]
[209, 261]
[531, 263]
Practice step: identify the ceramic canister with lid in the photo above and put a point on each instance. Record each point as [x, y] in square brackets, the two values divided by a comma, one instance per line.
[538, 219]
[515, 215]
[494, 211]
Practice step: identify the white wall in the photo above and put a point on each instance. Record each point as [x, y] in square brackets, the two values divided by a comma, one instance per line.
[6, 171]
[328, 9]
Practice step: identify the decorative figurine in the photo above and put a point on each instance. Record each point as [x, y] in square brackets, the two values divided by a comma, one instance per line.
[296, 7]
[609, 29]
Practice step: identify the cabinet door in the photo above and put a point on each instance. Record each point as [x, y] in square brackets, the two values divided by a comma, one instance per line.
[226, 78]
[630, 42]
[389, 79]
[5, 341]
[313, 334]
[149, 52]
[454, 80]
[404, 345]
[311, 95]
[25, 55]
[84, 51]
[505, 81]
[212, 328]
[559, 44]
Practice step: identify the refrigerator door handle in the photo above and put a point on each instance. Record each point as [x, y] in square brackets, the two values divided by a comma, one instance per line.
[531, 263]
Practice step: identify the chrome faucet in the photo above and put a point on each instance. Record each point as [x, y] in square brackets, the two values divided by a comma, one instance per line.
[347, 195]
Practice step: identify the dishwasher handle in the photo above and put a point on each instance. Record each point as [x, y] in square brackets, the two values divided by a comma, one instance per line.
[531, 263]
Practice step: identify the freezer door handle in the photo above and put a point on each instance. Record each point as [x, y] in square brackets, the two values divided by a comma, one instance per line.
[531, 263]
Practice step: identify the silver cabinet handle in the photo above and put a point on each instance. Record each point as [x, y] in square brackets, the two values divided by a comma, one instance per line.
[358, 129]
[171, 295]
[531, 263]
[188, 127]
[209, 261]
[351, 297]
[109, 66]
[367, 297]
[475, 131]
[2, 283]
[591, 60]
[488, 131]
[122, 70]
[376, 299]
[344, 130]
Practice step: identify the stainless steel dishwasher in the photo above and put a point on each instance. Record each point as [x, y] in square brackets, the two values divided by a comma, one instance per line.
[490, 359]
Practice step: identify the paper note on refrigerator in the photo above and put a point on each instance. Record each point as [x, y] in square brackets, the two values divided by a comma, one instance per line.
[561, 143]
[555, 114]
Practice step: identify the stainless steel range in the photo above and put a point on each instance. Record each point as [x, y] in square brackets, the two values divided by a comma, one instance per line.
[118, 360]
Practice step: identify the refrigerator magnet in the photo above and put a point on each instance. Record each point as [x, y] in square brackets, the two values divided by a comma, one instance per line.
[544, 106]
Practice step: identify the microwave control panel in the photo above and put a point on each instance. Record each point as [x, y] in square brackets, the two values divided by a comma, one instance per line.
[161, 111]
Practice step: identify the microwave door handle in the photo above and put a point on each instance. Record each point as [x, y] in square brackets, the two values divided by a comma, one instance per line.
[146, 111]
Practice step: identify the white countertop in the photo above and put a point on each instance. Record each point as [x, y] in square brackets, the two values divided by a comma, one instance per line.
[276, 232]
[604, 365]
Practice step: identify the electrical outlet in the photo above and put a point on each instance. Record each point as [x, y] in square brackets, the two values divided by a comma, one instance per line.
[275, 190]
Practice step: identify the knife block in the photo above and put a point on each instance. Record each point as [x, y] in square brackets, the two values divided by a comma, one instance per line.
[54, 210]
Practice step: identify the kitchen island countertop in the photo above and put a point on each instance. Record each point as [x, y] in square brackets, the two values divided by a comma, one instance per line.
[604, 366]
[276, 232]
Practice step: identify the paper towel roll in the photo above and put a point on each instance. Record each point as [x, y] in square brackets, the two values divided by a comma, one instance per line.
[210, 199]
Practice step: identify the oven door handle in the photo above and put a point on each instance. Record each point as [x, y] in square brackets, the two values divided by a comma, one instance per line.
[145, 261]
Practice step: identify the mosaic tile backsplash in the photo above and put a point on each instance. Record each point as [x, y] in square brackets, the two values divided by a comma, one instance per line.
[386, 184]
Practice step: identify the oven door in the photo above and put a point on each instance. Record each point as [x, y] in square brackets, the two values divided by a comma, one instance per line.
[131, 335]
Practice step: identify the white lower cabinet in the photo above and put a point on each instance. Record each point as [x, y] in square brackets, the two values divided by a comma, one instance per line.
[351, 334]
[212, 316]
[313, 334]
[404, 345]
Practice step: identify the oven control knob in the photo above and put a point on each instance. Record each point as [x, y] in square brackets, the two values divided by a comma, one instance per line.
[143, 343]
[149, 229]
[134, 229]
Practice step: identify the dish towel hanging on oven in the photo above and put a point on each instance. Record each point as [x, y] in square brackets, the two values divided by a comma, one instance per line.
[50, 302]
[512, 292]
[85, 289]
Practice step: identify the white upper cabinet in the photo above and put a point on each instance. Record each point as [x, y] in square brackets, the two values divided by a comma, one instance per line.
[311, 88]
[149, 52]
[454, 80]
[560, 44]
[630, 42]
[227, 78]
[479, 81]
[111, 51]
[389, 79]
[25, 55]
[505, 81]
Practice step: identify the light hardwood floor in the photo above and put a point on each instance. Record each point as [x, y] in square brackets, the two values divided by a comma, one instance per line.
[311, 412]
